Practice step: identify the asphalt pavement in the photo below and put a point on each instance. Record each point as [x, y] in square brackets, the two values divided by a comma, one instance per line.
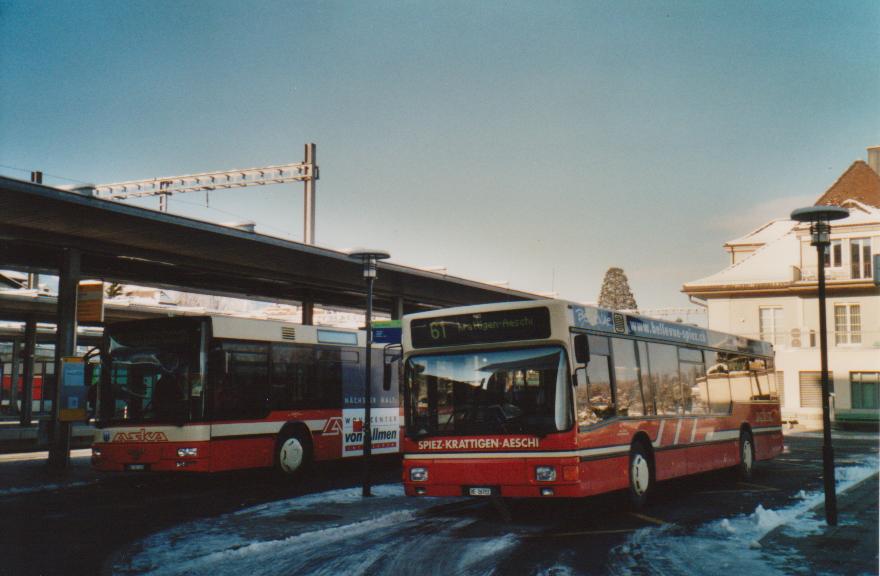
[251, 522]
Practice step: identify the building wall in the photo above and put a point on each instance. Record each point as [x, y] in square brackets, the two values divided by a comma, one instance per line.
[798, 352]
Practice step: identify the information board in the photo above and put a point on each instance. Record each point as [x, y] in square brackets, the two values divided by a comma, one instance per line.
[73, 389]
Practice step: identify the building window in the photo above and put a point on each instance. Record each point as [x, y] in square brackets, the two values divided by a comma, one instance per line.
[860, 257]
[847, 324]
[811, 388]
[865, 388]
[834, 255]
[772, 329]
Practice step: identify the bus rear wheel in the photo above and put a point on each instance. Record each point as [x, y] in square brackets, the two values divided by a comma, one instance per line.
[746, 466]
[293, 454]
[641, 476]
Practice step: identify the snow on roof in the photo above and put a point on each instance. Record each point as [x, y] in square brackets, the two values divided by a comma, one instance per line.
[766, 233]
[859, 213]
[772, 262]
[768, 264]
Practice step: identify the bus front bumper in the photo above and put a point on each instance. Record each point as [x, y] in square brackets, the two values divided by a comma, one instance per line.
[151, 457]
[506, 478]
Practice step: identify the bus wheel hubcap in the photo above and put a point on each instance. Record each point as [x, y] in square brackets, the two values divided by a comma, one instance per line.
[291, 455]
[640, 474]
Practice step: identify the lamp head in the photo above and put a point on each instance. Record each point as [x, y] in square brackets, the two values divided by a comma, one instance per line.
[368, 257]
[819, 218]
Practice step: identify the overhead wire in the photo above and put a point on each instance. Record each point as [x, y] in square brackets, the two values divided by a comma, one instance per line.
[25, 170]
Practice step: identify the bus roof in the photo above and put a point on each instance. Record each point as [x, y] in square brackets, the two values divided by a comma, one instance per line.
[259, 329]
[601, 320]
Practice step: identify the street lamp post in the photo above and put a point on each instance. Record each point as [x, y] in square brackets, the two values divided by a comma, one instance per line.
[820, 233]
[369, 259]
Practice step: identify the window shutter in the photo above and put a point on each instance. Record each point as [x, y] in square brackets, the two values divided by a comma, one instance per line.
[811, 388]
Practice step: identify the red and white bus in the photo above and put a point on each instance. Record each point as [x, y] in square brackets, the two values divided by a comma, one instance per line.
[206, 394]
[555, 399]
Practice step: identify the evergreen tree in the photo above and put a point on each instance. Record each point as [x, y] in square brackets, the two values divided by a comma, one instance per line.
[616, 294]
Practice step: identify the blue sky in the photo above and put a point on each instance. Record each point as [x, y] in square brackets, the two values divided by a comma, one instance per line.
[534, 142]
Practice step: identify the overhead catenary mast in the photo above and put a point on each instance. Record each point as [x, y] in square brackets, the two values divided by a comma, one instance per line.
[306, 172]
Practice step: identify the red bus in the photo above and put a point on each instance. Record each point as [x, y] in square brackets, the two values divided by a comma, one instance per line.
[555, 399]
[206, 394]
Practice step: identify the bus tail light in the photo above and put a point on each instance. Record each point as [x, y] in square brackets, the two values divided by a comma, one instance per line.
[570, 473]
[545, 473]
[418, 474]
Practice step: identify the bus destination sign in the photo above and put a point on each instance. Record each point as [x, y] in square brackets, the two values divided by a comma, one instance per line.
[481, 328]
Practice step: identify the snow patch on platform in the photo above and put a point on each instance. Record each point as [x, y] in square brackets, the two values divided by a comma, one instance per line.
[43, 488]
[324, 534]
[331, 498]
[730, 544]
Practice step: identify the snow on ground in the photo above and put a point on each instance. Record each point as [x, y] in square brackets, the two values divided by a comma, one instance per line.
[329, 533]
[43, 488]
[338, 532]
[730, 544]
[29, 474]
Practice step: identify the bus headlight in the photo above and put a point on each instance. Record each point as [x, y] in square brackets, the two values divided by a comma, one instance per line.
[545, 473]
[184, 452]
[418, 474]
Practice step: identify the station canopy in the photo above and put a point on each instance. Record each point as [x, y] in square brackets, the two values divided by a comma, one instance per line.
[133, 245]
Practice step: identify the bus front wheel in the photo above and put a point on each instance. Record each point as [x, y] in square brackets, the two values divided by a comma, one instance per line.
[293, 453]
[641, 477]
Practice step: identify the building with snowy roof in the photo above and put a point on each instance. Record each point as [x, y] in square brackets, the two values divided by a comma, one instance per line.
[769, 291]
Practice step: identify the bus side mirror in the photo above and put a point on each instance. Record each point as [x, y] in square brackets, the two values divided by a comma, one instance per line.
[386, 378]
[390, 356]
[581, 349]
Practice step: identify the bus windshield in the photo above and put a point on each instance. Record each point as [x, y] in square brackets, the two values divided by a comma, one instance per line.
[518, 391]
[153, 376]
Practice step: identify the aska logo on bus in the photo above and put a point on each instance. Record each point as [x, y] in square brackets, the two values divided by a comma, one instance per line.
[141, 435]
[478, 443]
[332, 427]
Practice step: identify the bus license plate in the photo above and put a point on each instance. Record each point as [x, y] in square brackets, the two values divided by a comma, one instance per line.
[479, 491]
[136, 467]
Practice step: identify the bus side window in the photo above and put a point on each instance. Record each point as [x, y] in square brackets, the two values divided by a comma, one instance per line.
[760, 379]
[594, 400]
[293, 367]
[665, 378]
[739, 375]
[627, 381]
[332, 367]
[240, 380]
[644, 372]
[693, 381]
[771, 376]
[717, 382]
